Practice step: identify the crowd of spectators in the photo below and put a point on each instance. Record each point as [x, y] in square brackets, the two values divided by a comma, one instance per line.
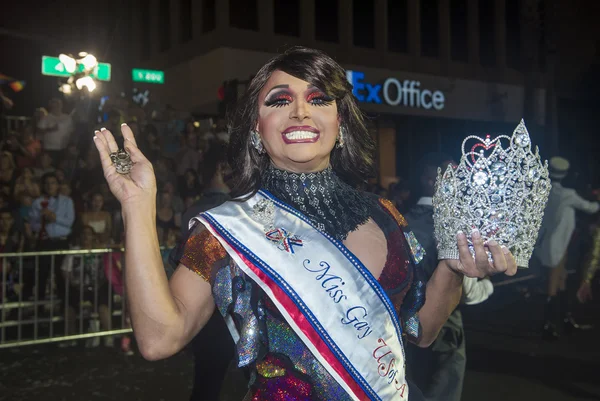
[53, 196]
[53, 193]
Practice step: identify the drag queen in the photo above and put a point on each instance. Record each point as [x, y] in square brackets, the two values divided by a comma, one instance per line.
[320, 283]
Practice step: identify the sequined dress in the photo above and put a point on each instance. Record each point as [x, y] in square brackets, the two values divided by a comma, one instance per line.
[281, 367]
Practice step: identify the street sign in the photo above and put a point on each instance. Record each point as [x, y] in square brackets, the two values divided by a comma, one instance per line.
[53, 67]
[149, 76]
[102, 72]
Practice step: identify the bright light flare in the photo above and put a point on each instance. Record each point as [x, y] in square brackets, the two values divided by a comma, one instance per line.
[69, 63]
[66, 89]
[89, 61]
[87, 82]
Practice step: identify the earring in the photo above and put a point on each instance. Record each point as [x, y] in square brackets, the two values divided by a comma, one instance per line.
[341, 138]
[257, 142]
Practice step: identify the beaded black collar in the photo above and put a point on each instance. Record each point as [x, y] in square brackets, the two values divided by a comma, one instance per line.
[331, 205]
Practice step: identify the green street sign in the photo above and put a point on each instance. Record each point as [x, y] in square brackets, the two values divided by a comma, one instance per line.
[102, 72]
[53, 67]
[149, 76]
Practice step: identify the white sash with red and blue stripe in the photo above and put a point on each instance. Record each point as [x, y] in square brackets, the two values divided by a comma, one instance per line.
[327, 296]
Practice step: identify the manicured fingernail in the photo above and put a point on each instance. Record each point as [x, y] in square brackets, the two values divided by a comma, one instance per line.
[492, 243]
[505, 250]
[96, 132]
[102, 129]
[123, 124]
[459, 233]
[475, 233]
[95, 137]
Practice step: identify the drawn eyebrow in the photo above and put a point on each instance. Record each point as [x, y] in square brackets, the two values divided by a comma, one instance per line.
[277, 87]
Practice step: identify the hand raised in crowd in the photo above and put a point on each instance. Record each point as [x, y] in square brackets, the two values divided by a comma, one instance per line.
[479, 266]
[139, 185]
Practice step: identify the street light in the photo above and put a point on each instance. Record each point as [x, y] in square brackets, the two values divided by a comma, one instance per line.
[66, 89]
[89, 62]
[80, 69]
[87, 82]
[69, 63]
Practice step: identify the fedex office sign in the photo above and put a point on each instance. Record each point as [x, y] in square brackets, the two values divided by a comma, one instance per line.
[394, 92]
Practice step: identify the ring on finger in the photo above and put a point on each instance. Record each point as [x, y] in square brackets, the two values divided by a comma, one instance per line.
[122, 161]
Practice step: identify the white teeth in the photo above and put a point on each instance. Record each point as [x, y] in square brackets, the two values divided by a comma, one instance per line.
[295, 135]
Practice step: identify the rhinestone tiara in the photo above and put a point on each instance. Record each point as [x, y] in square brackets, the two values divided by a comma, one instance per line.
[499, 187]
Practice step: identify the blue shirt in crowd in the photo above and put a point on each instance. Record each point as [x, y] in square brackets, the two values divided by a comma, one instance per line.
[62, 206]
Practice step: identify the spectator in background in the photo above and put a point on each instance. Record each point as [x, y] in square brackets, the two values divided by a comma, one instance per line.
[164, 171]
[26, 184]
[23, 209]
[38, 115]
[11, 240]
[87, 177]
[30, 148]
[150, 143]
[60, 175]
[114, 121]
[439, 370]
[11, 235]
[10, 144]
[190, 185]
[166, 217]
[8, 170]
[190, 157]
[213, 348]
[98, 219]
[171, 132]
[87, 272]
[176, 200]
[45, 166]
[51, 218]
[557, 228]
[400, 195]
[70, 161]
[64, 189]
[55, 129]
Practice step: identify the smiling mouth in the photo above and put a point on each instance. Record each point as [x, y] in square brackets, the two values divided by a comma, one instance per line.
[300, 135]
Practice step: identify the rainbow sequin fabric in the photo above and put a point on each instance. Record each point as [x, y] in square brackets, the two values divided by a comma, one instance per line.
[281, 366]
[202, 251]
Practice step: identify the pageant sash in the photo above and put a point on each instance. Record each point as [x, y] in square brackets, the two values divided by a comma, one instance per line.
[332, 302]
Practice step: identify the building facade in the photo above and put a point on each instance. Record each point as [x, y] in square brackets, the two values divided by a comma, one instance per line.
[429, 71]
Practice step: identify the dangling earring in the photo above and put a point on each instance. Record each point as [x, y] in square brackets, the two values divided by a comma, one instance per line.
[341, 137]
[257, 142]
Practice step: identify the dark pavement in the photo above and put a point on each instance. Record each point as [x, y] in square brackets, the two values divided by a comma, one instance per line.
[507, 360]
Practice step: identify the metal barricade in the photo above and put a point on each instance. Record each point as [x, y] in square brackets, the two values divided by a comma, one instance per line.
[60, 315]
[14, 123]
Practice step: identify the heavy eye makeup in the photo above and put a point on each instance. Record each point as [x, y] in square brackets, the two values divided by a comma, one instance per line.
[278, 99]
[318, 98]
[315, 97]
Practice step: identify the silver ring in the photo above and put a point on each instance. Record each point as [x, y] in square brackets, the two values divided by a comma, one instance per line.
[122, 161]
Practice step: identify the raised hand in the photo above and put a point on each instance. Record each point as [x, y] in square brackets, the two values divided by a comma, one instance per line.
[479, 266]
[139, 185]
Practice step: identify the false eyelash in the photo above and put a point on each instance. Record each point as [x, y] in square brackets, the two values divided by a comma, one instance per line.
[278, 100]
[318, 95]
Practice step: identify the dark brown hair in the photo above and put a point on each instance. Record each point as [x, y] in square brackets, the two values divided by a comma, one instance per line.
[353, 162]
